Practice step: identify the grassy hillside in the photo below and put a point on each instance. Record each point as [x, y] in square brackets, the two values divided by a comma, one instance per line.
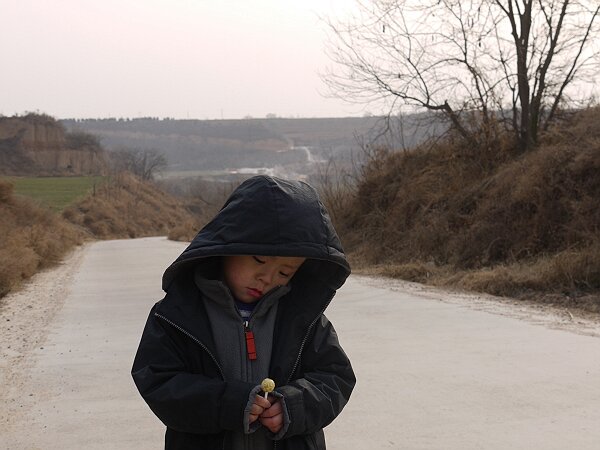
[55, 192]
[37, 234]
[127, 207]
[489, 220]
[33, 237]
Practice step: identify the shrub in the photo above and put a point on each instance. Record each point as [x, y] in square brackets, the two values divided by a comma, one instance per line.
[504, 223]
[32, 238]
[127, 207]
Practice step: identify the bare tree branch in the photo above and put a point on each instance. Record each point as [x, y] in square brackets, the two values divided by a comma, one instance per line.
[514, 59]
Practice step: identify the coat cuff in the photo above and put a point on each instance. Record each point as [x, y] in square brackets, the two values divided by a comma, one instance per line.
[251, 427]
[234, 399]
[286, 418]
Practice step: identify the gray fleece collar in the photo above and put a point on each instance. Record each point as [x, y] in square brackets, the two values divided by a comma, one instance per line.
[218, 292]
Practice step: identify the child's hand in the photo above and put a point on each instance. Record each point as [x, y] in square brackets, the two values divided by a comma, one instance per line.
[260, 404]
[272, 417]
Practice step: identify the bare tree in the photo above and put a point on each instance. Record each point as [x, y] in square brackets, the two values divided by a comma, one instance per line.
[80, 139]
[484, 64]
[145, 163]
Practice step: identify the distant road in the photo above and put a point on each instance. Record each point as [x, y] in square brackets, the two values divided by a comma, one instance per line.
[435, 371]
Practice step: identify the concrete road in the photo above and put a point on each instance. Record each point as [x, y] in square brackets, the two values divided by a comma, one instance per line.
[434, 371]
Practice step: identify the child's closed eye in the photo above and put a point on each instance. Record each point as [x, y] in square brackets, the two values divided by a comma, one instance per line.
[256, 258]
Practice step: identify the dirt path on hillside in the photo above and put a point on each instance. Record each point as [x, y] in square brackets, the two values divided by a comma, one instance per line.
[436, 369]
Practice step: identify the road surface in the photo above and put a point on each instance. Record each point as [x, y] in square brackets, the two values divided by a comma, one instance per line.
[435, 370]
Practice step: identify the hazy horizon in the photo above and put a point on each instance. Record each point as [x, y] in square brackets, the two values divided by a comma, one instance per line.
[179, 59]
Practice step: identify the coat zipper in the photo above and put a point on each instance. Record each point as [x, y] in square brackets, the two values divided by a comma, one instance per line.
[250, 344]
[312, 324]
[196, 340]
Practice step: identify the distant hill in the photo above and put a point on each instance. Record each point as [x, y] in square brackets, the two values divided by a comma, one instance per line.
[192, 145]
[37, 144]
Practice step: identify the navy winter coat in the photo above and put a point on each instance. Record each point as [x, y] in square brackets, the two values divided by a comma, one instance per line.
[176, 369]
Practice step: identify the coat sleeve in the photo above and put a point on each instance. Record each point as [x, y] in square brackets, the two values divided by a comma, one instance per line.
[182, 400]
[325, 385]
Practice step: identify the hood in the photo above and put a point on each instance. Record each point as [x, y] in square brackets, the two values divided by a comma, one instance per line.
[271, 217]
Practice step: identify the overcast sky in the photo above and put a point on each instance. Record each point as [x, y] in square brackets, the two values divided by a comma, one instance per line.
[204, 59]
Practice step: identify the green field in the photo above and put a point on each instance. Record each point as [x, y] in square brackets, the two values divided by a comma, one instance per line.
[55, 192]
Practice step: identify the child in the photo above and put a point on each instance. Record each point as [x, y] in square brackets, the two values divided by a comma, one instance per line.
[243, 302]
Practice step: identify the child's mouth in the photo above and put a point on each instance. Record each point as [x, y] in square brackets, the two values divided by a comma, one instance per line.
[255, 293]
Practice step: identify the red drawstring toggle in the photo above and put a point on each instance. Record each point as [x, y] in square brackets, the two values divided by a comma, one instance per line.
[250, 346]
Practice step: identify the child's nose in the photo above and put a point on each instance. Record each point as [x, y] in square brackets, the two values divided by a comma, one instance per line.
[266, 277]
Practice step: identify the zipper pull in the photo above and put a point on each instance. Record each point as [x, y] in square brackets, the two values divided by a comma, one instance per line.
[250, 346]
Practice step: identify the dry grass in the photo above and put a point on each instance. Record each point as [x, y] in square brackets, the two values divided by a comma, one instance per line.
[568, 278]
[203, 198]
[488, 220]
[413, 271]
[127, 207]
[33, 238]
[184, 232]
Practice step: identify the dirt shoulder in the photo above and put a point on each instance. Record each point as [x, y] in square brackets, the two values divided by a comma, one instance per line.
[25, 316]
[551, 316]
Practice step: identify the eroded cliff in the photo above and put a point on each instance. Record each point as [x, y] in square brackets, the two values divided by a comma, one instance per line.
[39, 145]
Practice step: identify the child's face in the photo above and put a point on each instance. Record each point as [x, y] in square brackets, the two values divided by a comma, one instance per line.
[250, 277]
